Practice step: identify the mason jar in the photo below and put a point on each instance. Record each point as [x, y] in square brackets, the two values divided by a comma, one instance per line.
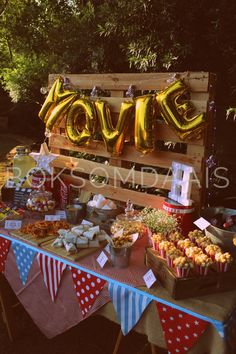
[22, 164]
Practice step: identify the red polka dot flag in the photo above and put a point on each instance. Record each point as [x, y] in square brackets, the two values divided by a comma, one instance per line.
[4, 249]
[87, 288]
[180, 329]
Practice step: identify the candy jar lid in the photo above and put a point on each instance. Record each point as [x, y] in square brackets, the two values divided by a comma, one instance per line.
[23, 149]
[130, 213]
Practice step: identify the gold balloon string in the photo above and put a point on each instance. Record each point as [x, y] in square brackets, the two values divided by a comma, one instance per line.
[173, 78]
[95, 92]
[131, 91]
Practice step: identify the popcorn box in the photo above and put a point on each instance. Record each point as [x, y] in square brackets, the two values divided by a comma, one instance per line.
[223, 267]
[155, 245]
[183, 283]
[182, 272]
[162, 253]
[201, 270]
[169, 261]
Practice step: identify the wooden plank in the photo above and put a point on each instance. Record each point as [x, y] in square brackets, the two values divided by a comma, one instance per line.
[32, 239]
[56, 149]
[112, 192]
[199, 96]
[197, 81]
[115, 163]
[165, 133]
[117, 174]
[209, 136]
[156, 158]
[196, 153]
[117, 93]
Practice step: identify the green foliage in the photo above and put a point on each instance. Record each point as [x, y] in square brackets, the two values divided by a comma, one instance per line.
[25, 76]
[42, 36]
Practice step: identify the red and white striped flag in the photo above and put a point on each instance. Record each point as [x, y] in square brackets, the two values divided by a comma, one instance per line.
[52, 271]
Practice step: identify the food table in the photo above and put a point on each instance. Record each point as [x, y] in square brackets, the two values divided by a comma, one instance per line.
[55, 318]
[59, 292]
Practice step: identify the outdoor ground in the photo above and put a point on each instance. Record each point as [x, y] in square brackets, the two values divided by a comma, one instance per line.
[95, 335]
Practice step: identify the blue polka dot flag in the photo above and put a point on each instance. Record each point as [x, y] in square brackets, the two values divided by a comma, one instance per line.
[24, 259]
[129, 306]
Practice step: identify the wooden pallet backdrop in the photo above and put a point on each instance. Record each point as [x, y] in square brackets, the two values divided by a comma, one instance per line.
[202, 93]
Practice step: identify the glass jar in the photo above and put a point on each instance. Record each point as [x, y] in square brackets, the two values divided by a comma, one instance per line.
[41, 201]
[130, 222]
[22, 164]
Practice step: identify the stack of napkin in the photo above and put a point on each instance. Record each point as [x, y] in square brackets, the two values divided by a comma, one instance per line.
[100, 202]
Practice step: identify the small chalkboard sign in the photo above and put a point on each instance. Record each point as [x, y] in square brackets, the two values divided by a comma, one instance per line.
[20, 196]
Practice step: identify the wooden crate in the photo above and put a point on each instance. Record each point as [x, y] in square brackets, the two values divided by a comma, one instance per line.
[182, 288]
[202, 88]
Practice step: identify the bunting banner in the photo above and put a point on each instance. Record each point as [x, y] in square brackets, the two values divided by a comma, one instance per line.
[128, 305]
[87, 288]
[24, 260]
[52, 271]
[180, 329]
[4, 249]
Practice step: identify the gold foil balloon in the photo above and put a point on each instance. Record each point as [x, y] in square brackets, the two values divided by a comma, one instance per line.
[59, 111]
[144, 124]
[114, 138]
[177, 113]
[56, 95]
[50, 101]
[75, 132]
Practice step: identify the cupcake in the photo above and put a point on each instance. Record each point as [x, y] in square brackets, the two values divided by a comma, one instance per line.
[175, 237]
[195, 234]
[183, 244]
[202, 263]
[171, 254]
[182, 266]
[203, 242]
[223, 261]
[156, 239]
[193, 251]
[164, 246]
[211, 251]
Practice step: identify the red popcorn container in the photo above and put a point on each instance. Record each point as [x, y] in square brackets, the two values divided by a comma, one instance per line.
[183, 213]
[212, 257]
[182, 272]
[155, 245]
[200, 270]
[223, 267]
[169, 261]
[162, 253]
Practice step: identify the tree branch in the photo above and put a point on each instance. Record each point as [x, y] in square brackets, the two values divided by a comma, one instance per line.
[4, 7]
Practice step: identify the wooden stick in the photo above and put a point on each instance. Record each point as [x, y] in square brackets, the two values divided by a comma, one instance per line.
[118, 341]
[6, 308]
[153, 349]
